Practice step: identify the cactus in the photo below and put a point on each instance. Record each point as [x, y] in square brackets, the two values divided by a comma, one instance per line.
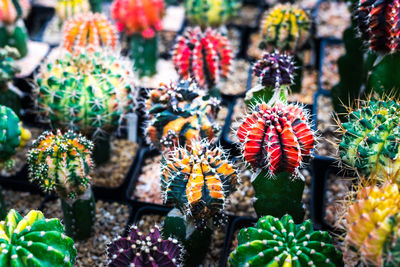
[8, 69]
[205, 56]
[66, 9]
[90, 93]
[12, 28]
[62, 163]
[34, 241]
[282, 243]
[139, 249]
[211, 13]
[275, 141]
[90, 31]
[140, 20]
[275, 74]
[373, 224]
[178, 114]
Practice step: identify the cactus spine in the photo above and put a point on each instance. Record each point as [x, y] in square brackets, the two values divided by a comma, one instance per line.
[34, 241]
[8, 69]
[62, 163]
[282, 243]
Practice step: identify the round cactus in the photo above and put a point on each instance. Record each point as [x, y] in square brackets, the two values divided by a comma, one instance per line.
[204, 56]
[90, 31]
[285, 27]
[34, 241]
[178, 114]
[139, 249]
[198, 181]
[373, 225]
[66, 9]
[89, 93]
[282, 243]
[11, 11]
[211, 13]
[276, 138]
[8, 67]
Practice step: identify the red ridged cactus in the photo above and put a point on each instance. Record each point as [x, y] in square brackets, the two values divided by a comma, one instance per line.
[205, 56]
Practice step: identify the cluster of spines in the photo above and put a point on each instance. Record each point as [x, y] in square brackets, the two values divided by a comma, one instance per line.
[281, 243]
[138, 16]
[198, 181]
[62, 163]
[8, 67]
[89, 31]
[285, 27]
[139, 249]
[276, 138]
[205, 56]
[66, 9]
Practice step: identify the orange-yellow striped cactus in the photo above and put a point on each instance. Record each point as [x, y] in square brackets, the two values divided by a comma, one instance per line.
[11, 10]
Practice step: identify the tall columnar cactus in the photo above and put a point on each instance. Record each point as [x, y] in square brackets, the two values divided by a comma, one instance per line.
[373, 225]
[12, 28]
[66, 9]
[149, 250]
[205, 56]
[90, 31]
[370, 141]
[197, 182]
[140, 20]
[282, 243]
[8, 69]
[62, 163]
[34, 241]
[275, 74]
[275, 142]
[89, 93]
[211, 13]
[179, 114]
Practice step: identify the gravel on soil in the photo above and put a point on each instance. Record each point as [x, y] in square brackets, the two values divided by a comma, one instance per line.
[330, 72]
[237, 80]
[333, 18]
[22, 202]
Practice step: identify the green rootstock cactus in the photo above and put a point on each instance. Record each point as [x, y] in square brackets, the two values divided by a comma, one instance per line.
[282, 243]
[8, 69]
[34, 241]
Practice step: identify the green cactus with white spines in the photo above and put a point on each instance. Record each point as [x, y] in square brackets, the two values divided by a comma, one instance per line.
[34, 241]
[282, 243]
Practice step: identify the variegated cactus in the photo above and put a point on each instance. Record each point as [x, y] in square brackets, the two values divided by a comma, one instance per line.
[66, 9]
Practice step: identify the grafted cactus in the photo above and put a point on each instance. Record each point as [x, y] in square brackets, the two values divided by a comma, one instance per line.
[282, 243]
[139, 249]
[89, 31]
[178, 114]
[8, 69]
[211, 13]
[34, 241]
[66, 9]
[140, 20]
[62, 163]
[204, 56]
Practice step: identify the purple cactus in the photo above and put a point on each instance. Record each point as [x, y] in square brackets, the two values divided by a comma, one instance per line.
[140, 250]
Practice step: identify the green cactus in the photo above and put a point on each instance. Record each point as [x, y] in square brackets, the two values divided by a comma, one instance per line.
[34, 241]
[62, 163]
[282, 243]
[144, 53]
[8, 69]
[96, 6]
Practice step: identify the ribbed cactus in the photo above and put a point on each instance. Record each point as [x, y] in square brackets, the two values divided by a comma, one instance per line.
[12, 28]
[89, 31]
[140, 20]
[66, 9]
[211, 13]
[8, 69]
[205, 56]
[34, 241]
[373, 225]
[178, 114]
[282, 243]
[139, 249]
[62, 163]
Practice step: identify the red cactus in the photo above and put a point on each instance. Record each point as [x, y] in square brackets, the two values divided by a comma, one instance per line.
[204, 56]
[276, 138]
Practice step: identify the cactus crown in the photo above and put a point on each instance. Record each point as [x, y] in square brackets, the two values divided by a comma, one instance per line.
[8, 67]
[370, 141]
[90, 31]
[61, 162]
[34, 241]
[90, 92]
[198, 181]
[285, 27]
[204, 56]
[276, 138]
[210, 13]
[281, 243]
[138, 16]
[139, 249]
[66, 9]
[178, 114]
[12, 10]
[373, 224]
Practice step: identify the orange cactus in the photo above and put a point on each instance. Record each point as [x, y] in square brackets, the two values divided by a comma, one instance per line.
[9, 12]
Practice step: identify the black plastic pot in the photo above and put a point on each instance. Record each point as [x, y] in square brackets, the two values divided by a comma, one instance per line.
[37, 20]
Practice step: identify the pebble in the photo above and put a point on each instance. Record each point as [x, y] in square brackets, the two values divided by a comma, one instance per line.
[330, 71]
[333, 18]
